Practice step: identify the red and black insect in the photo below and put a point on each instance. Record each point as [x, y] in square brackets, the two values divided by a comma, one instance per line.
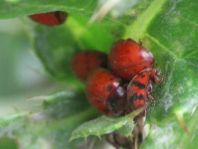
[140, 87]
[50, 18]
[104, 91]
[127, 58]
[83, 63]
[139, 96]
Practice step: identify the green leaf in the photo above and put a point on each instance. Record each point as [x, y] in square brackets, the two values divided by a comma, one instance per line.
[172, 40]
[105, 125]
[171, 36]
[170, 134]
[50, 126]
[55, 47]
[63, 104]
[8, 143]
[14, 8]
[97, 36]
[4, 122]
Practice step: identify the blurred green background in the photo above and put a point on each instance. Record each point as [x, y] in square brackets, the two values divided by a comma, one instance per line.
[21, 73]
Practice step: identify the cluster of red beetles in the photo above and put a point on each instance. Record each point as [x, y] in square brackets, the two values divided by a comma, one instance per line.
[117, 83]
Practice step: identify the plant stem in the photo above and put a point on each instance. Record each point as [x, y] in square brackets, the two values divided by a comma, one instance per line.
[138, 28]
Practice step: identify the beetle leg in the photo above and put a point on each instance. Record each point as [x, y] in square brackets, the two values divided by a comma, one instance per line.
[156, 76]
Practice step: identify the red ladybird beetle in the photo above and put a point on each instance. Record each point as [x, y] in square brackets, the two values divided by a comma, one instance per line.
[83, 63]
[104, 91]
[127, 58]
[140, 87]
[50, 18]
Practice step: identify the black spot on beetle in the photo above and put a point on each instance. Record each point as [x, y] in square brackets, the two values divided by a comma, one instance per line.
[133, 97]
[140, 96]
[60, 16]
[138, 84]
[136, 97]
